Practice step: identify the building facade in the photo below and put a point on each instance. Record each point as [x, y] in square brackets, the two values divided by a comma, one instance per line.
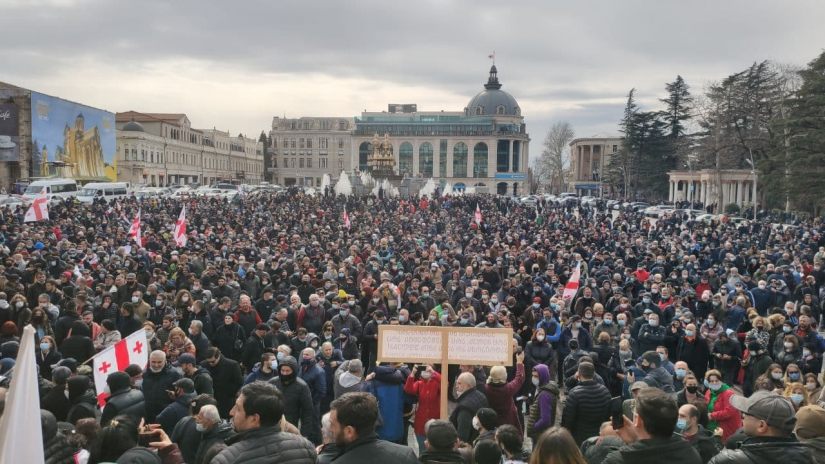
[303, 149]
[589, 158]
[710, 187]
[161, 149]
[485, 146]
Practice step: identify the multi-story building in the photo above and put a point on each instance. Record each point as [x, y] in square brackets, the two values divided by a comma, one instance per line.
[163, 149]
[485, 146]
[589, 158]
[302, 150]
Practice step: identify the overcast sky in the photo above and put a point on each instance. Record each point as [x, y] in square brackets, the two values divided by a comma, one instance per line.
[234, 65]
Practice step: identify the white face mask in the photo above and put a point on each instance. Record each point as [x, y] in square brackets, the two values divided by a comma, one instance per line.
[536, 381]
[476, 423]
[426, 375]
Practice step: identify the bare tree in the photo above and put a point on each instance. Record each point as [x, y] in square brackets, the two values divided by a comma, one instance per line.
[553, 164]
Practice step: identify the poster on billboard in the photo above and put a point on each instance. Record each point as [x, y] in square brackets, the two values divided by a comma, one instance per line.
[9, 133]
[72, 140]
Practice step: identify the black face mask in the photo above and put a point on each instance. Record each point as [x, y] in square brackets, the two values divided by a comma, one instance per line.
[287, 379]
[692, 389]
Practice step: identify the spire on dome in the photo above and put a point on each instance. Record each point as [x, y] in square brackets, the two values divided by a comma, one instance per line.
[492, 82]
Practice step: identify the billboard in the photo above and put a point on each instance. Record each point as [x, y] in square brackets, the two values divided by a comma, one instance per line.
[72, 140]
[9, 133]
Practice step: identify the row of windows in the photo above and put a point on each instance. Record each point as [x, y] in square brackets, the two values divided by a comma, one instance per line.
[323, 143]
[302, 163]
[189, 159]
[460, 154]
[195, 139]
[323, 124]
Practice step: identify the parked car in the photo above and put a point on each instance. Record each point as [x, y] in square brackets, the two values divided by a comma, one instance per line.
[658, 210]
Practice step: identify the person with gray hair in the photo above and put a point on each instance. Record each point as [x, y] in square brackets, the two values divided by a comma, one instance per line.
[157, 381]
[214, 432]
[468, 401]
[328, 449]
[198, 338]
[349, 377]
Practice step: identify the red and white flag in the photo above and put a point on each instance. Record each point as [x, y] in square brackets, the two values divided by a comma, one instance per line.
[572, 285]
[134, 231]
[347, 222]
[39, 210]
[133, 349]
[180, 229]
[478, 215]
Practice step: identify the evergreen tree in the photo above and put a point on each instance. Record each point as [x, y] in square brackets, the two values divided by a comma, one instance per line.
[678, 106]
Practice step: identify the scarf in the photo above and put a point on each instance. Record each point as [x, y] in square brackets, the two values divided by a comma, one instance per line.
[714, 395]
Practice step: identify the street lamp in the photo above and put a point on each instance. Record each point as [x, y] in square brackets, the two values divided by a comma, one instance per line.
[753, 173]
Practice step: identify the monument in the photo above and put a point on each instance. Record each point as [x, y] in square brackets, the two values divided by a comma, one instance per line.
[381, 161]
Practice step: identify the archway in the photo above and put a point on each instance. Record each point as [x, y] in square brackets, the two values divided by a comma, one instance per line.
[501, 188]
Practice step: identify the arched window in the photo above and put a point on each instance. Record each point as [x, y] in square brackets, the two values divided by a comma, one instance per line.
[500, 109]
[425, 159]
[501, 188]
[460, 160]
[479, 110]
[363, 155]
[405, 159]
[480, 160]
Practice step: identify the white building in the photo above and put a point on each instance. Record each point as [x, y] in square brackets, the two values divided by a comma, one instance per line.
[589, 158]
[163, 149]
[304, 149]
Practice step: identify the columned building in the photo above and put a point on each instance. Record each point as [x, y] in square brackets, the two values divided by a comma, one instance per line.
[304, 149]
[738, 186]
[161, 149]
[589, 158]
[485, 146]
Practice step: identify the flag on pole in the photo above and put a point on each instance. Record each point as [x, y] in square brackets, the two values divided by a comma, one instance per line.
[134, 231]
[20, 433]
[180, 228]
[572, 285]
[478, 215]
[133, 349]
[39, 209]
[347, 222]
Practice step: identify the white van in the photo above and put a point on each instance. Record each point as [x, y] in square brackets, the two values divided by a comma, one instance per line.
[103, 190]
[57, 187]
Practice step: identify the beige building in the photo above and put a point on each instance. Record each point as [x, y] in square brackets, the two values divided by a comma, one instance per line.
[738, 186]
[162, 149]
[304, 149]
[589, 158]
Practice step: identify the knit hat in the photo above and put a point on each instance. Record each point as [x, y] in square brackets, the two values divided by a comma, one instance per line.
[498, 374]
[810, 422]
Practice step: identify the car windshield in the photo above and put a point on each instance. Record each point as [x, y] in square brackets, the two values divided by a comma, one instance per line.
[87, 192]
[34, 188]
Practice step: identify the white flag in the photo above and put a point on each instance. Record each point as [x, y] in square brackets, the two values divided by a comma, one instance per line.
[133, 349]
[39, 210]
[572, 285]
[21, 436]
[134, 231]
[180, 229]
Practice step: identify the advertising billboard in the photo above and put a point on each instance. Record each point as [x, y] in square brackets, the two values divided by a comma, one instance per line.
[72, 140]
[9, 133]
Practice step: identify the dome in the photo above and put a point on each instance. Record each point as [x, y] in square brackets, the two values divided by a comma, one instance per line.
[133, 126]
[492, 100]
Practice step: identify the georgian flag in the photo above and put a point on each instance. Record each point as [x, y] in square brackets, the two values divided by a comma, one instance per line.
[39, 210]
[572, 285]
[180, 229]
[347, 222]
[478, 215]
[133, 349]
[134, 231]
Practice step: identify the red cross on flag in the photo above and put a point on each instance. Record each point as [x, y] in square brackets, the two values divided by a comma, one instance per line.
[478, 215]
[39, 210]
[134, 231]
[180, 229]
[347, 222]
[133, 349]
[572, 285]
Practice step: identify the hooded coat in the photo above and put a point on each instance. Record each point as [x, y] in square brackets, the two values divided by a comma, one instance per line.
[428, 393]
[501, 398]
[542, 413]
[298, 406]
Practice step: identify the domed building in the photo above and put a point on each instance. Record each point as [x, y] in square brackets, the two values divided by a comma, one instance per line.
[483, 148]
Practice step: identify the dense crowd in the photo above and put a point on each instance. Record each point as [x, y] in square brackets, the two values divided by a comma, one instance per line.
[263, 330]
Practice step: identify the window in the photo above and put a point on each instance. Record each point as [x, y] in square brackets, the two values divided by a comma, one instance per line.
[309, 143]
[293, 143]
[405, 159]
[442, 157]
[480, 160]
[340, 165]
[323, 143]
[425, 159]
[341, 143]
[516, 163]
[363, 155]
[503, 156]
[479, 110]
[301, 163]
[309, 163]
[500, 109]
[460, 160]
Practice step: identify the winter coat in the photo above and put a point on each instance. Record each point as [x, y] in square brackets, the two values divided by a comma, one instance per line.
[370, 449]
[204, 385]
[210, 441]
[225, 339]
[537, 353]
[467, 405]
[226, 381]
[388, 389]
[586, 407]
[695, 354]
[650, 337]
[315, 378]
[127, 401]
[174, 412]
[704, 443]
[501, 398]
[723, 413]
[267, 445]
[252, 352]
[428, 393]
[258, 375]
[155, 386]
[767, 450]
[672, 450]
[660, 378]
[542, 414]
[298, 406]
[56, 449]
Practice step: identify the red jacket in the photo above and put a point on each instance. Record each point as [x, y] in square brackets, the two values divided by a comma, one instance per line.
[501, 399]
[728, 417]
[428, 393]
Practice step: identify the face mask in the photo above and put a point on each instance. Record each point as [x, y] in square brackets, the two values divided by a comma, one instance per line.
[625, 353]
[273, 364]
[711, 323]
[577, 325]
[788, 346]
[19, 304]
[662, 356]
[200, 428]
[810, 386]
[622, 322]
[476, 423]
[715, 386]
[689, 333]
[279, 356]
[692, 389]
[433, 318]
[796, 398]
[45, 347]
[184, 299]
[540, 338]
[608, 322]
[402, 318]
[786, 329]
[717, 303]
[351, 303]
[681, 424]
[150, 333]
[159, 303]
[776, 375]
[680, 373]
[794, 376]
[646, 300]
[762, 286]
[653, 323]
[494, 300]
[375, 300]
[426, 375]
[536, 381]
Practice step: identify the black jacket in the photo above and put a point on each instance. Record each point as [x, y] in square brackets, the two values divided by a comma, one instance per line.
[371, 449]
[704, 443]
[210, 441]
[267, 445]
[764, 450]
[441, 457]
[226, 381]
[297, 404]
[586, 407]
[466, 407]
[204, 385]
[56, 402]
[252, 351]
[155, 386]
[127, 401]
[174, 412]
[672, 450]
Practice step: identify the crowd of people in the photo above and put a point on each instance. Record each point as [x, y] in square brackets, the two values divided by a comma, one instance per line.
[686, 340]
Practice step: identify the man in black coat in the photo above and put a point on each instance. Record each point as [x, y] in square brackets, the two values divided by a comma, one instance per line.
[184, 391]
[227, 378]
[56, 401]
[298, 407]
[587, 405]
[468, 401]
[124, 399]
[157, 381]
[693, 349]
[198, 374]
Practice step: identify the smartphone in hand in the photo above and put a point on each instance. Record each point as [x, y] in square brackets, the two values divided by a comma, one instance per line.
[616, 413]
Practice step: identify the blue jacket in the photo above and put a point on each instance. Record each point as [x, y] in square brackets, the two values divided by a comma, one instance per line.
[388, 388]
[316, 379]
